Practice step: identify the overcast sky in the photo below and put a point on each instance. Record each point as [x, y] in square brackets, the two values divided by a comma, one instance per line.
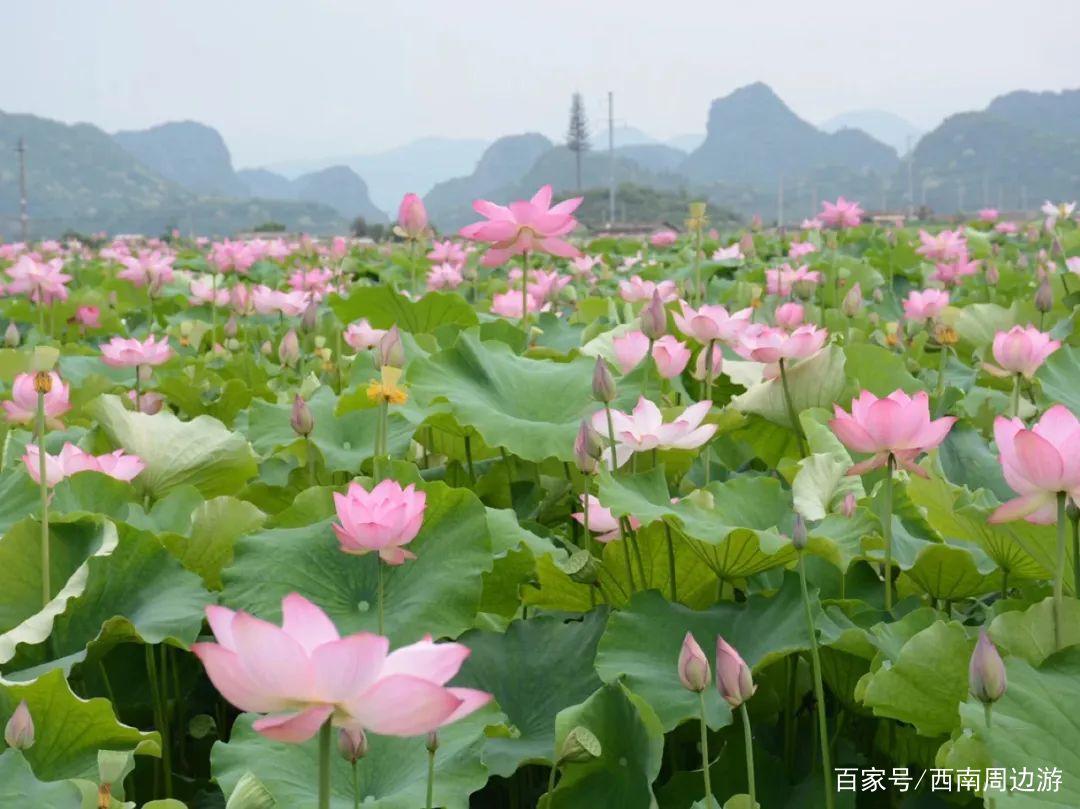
[292, 79]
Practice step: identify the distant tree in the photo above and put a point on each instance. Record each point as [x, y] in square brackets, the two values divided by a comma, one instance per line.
[359, 227]
[577, 136]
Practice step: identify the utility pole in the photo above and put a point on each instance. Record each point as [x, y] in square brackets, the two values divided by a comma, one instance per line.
[24, 217]
[611, 156]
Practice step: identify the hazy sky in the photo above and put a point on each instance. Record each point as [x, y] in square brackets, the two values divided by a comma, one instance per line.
[289, 79]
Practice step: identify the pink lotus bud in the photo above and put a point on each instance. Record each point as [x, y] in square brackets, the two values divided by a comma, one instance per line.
[391, 349]
[352, 744]
[19, 732]
[790, 316]
[310, 319]
[1044, 296]
[992, 275]
[986, 672]
[852, 303]
[266, 349]
[694, 672]
[412, 217]
[11, 336]
[847, 508]
[733, 677]
[289, 348]
[603, 384]
[587, 448]
[301, 419]
[654, 318]
[798, 532]
[231, 326]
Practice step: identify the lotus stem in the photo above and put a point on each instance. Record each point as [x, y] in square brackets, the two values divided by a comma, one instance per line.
[1059, 573]
[705, 753]
[749, 741]
[138, 389]
[551, 777]
[943, 361]
[324, 765]
[671, 563]
[525, 294]
[792, 415]
[819, 689]
[1015, 401]
[648, 370]
[381, 591]
[707, 450]
[160, 718]
[1076, 555]
[886, 529]
[355, 786]
[213, 309]
[43, 485]
[430, 776]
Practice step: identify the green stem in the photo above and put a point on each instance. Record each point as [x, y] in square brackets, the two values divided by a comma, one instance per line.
[551, 777]
[637, 553]
[138, 390]
[430, 777]
[792, 415]
[988, 712]
[379, 566]
[1059, 573]
[648, 370]
[1016, 397]
[886, 529]
[355, 786]
[671, 563]
[381, 450]
[43, 485]
[525, 293]
[587, 541]
[707, 454]
[468, 458]
[1076, 556]
[310, 460]
[705, 753]
[942, 362]
[324, 765]
[160, 718]
[749, 741]
[213, 309]
[819, 689]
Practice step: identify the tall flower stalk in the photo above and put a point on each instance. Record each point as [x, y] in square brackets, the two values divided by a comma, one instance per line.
[43, 384]
[886, 527]
[792, 415]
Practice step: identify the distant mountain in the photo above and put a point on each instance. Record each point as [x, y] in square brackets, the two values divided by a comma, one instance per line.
[80, 178]
[624, 136]
[417, 167]
[336, 186]
[653, 156]
[1051, 113]
[503, 163]
[187, 152]
[890, 129]
[686, 143]
[754, 138]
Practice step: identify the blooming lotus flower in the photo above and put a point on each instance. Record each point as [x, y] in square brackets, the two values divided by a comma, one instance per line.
[663, 238]
[789, 315]
[381, 520]
[670, 356]
[601, 520]
[644, 429]
[203, 292]
[524, 227]
[130, 353]
[694, 672]
[267, 301]
[119, 465]
[148, 402]
[22, 409]
[508, 304]
[444, 276]
[1006, 228]
[732, 253]
[1063, 210]
[1073, 265]
[582, 266]
[88, 316]
[41, 281]
[150, 268]
[229, 256]
[446, 252]
[304, 673]
[925, 304]
[544, 285]
[769, 344]
[412, 218]
[897, 425]
[734, 679]
[950, 273]
[1037, 464]
[72, 460]
[814, 223]
[948, 245]
[988, 214]
[361, 336]
[630, 349]
[317, 282]
[782, 280]
[636, 289]
[1021, 350]
[711, 322]
[840, 214]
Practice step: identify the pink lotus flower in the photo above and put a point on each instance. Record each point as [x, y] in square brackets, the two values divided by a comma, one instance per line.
[841, 214]
[317, 282]
[41, 281]
[988, 214]
[270, 301]
[1073, 265]
[22, 409]
[670, 356]
[1021, 350]
[361, 336]
[814, 223]
[732, 253]
[582, 266]
[203, 292]
[152, 268]
[228, 256]
[733, 677]
[948, 245]
[797, 250]
[644, 429]
[711, 322]
[444, 276]
[663, 238]
[950, 273]
[381, 520]
[694, 672]
[601, 520]
[1063, 210]
[925, 304]
[524, 227]
[241, 300]
[700, 372]
[72, 460]
[88, 316]
[630, 349]
[782, 281]
[508, 304]
[412, 218]
[131, 353]
[339, 247]
[1007, 228]
[789, 315]
[1037, 464]
[148, 402]
[769, 344]
[636, 289]
[897, 425]
[544, 285]
[304, 673]
[446, 252]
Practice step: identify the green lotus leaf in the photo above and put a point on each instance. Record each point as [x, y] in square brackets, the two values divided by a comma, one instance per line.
[814, 382]
[19, 786]
[384, 307]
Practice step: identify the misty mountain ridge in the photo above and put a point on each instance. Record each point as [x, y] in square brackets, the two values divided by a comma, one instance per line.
[887, 127]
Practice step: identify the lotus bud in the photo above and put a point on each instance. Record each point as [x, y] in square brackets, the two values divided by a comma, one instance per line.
[694, 672]
[352, 744]
[310, 319]
[391, 349]
[1072, 511]
[798, 532]
[986, 672]
[746, 244]
[11, 336]
[603, 384]
[587, 448]
[232, 344]
[289, 348]
[992, 275]
[847, 507]
[804, 290]
[1044, 296]
[431, 743]
[579, 746]
[19, 732]
[266, 349]
[654, 318]
[853, 302]
[301, 419]
[733, 677]
[231, 326]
